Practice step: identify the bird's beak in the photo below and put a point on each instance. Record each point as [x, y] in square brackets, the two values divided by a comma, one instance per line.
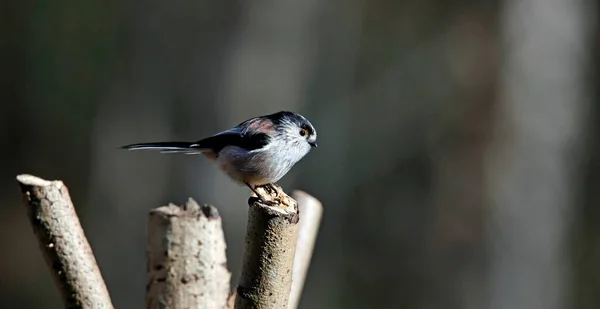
[313, 144]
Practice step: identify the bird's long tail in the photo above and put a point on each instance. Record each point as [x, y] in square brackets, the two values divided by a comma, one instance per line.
[167, 147]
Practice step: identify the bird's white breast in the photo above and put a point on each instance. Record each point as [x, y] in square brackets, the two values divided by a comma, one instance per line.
[261, 166]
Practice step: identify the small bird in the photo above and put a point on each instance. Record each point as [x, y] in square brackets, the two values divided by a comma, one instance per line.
[257, 152]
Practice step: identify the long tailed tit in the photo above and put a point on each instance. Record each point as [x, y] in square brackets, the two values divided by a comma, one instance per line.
[257, 152]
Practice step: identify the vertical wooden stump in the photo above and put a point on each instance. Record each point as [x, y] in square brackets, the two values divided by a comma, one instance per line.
[186, 265]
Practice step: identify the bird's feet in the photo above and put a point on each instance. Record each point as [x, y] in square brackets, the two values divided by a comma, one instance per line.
[268, 202]
[269, 189]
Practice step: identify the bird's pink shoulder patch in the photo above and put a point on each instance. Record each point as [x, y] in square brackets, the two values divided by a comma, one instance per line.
[261, 125]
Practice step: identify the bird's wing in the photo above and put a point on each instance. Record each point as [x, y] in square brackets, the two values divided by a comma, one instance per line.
[234, 137]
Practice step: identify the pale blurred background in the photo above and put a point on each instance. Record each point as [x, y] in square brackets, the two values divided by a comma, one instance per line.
[459, 146]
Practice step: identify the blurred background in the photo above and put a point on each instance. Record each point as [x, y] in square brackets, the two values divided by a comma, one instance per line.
[458, 159]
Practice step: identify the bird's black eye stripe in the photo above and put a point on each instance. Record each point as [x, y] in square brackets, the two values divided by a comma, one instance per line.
[305, 130]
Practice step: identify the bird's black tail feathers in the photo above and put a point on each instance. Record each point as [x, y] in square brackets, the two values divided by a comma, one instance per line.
[167, 147]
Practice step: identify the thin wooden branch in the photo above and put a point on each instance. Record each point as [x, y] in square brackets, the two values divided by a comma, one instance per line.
[63, 243]
[231, 300]
[311, 211]
[271, 237]
[186, 264]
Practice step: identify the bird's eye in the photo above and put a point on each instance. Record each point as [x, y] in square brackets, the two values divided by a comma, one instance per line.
[303, 132]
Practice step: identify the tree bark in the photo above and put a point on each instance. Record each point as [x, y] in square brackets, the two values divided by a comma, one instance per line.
[271, 237]
[63, 243]
[187, 265]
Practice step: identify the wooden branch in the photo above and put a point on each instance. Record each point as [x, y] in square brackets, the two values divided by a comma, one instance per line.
[271, 236]
[311, 211]
[186, 265]
[231, 300]
[63, 243]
